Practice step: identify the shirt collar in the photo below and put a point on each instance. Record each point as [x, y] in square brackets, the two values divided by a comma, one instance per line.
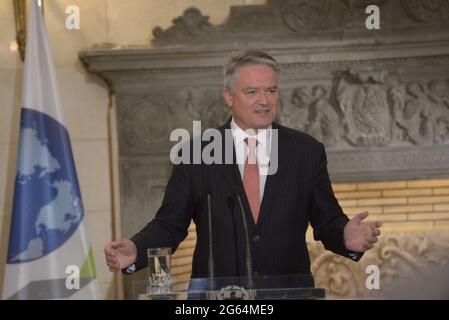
[240, 135]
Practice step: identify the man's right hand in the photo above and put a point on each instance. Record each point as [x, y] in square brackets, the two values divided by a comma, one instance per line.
[120, 254]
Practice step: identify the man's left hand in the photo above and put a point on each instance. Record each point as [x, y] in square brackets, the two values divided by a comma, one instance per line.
[361, 236]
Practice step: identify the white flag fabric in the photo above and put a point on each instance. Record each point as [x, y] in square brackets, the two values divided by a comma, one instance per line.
[48, 254]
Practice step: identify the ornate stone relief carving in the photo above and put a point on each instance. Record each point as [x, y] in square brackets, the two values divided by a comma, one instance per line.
[434, 11]
[191, 24]
[147, 121]
[207, 106]
[310, 110]
[362, 109]
[371, 109]
[363, 100]
[422, 111]
[144, 125]
[302, 17]
[406, 256]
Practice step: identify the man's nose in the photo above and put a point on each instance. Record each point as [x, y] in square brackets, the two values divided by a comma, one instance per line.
[262, 98]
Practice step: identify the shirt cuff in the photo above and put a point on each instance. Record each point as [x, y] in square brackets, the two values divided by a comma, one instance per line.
[355, 255]
[131, 269]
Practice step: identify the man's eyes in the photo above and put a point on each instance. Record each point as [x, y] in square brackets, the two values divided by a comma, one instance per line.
[254, 92]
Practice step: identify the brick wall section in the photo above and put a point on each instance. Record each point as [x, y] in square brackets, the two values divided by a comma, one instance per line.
[403, 206]
[413, 205]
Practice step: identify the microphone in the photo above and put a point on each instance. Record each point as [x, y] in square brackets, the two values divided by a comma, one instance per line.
[249, 261]
[211, 253]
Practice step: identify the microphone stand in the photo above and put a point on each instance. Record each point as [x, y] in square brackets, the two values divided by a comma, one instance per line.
[211, 255]
[249, 261]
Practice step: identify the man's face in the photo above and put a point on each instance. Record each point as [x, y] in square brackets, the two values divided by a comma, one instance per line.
[254, 97]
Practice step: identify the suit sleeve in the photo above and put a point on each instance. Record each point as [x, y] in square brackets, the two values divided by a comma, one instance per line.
[171, 223]
[327, 217]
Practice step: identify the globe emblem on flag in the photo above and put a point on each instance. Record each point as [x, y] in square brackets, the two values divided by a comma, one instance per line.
[47, 203]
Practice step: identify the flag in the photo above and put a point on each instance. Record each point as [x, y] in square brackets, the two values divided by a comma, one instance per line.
[48, 253]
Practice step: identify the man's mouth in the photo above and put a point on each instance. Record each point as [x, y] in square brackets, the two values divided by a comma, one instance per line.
[264, 111]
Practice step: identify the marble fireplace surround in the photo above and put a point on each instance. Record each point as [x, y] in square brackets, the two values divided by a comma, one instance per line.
[378, 99]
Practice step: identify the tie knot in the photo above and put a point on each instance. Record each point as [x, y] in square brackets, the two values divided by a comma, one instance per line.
[252, 143]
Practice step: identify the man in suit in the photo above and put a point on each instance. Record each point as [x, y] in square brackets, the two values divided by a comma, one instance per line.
[278, 205]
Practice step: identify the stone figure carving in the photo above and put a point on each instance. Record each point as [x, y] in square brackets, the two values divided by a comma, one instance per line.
[294, 113]
[422, 111]
[413, 114]
[312, 112]
[439, 94]
[323, 122]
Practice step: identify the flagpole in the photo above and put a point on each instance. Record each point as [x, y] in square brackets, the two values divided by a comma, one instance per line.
[40, 4]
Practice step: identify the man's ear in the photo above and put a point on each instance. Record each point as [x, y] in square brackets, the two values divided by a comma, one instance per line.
[227, 95]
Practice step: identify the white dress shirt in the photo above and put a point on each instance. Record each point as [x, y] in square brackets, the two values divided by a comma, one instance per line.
[263, 151]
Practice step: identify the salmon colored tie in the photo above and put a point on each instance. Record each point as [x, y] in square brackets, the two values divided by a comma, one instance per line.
[251, 178]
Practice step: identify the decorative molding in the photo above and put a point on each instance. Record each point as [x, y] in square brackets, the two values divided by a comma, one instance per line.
[144, 126]
[391, 61]
[147, 121]
[388, 164]
[435, 11]
[116, 65]
[399, 257]
[304, 18]
[191, 24]
[208, 105]
[301, 15]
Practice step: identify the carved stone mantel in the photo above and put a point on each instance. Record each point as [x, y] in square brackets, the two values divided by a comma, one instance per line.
[378, 99]
[326, 90]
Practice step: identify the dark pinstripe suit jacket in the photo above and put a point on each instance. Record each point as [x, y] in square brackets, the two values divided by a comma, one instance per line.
[298, 194]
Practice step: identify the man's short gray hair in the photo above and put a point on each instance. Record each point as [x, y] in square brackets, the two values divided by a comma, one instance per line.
[244, 58]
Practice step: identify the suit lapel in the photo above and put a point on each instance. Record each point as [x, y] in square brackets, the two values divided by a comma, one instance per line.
[230, 171]
[272, 184]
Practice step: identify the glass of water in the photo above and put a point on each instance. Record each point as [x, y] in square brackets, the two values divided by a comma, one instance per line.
[159, 268]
